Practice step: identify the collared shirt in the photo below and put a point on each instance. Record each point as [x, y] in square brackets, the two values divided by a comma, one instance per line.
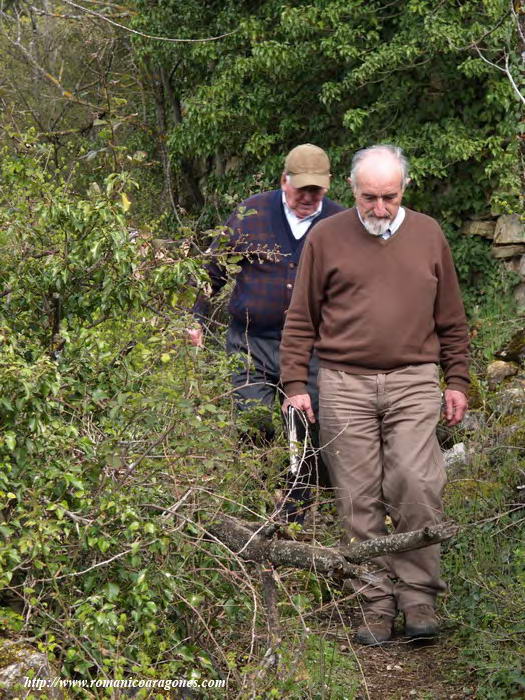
[299, 226]
[394, 225]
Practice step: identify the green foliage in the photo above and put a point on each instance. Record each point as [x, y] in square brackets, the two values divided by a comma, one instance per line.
[484, 282]
[95, 386]
[73, 86]
[76, 258]
[109, 419]
[345, 75]
[485, 563]
[322, 670]
[488, 605]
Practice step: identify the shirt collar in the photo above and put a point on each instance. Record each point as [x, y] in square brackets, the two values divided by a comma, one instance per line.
[289, 212]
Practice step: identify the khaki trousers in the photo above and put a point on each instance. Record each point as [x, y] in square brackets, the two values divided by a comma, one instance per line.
[378, 437]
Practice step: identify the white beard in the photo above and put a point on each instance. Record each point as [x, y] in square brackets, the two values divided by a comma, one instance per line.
[375, 226]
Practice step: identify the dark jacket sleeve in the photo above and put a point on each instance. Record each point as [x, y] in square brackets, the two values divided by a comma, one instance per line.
[302, 323]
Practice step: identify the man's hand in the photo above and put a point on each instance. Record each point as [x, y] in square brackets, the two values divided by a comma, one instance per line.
[195, 336]
[301, 402]
[455, 406]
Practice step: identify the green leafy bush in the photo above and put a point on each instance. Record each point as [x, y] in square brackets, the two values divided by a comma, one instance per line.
[108, 419]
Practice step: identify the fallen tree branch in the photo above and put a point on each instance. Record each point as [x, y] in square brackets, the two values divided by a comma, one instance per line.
[402, 542]
[257, 544]
[298, 555]
[269, 593]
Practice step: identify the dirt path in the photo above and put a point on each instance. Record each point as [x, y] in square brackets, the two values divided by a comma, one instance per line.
[402, 670]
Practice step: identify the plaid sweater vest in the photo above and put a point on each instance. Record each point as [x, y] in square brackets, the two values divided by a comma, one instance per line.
[258, 231]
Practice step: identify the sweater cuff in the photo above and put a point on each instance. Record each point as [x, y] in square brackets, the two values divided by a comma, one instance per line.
[458, 385]
[294, 388]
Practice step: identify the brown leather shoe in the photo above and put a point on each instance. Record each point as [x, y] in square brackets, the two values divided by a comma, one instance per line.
[421, 621]
[376, 628]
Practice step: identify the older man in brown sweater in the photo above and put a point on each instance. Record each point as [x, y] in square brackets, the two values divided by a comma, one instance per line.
[377, 296]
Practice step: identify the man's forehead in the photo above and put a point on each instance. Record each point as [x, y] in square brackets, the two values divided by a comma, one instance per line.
[379, 183]
[380, 191]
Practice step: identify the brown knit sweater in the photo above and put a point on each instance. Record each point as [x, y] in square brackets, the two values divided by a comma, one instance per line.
[370, 305]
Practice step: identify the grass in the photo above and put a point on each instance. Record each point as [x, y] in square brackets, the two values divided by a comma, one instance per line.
[485, 565]
[312, 665]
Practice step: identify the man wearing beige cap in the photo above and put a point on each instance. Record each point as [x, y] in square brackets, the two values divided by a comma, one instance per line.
[270, 241]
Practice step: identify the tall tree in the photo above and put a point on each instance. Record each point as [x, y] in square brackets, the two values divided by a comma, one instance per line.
[343, 74]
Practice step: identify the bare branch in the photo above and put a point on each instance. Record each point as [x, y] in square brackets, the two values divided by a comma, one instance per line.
[512, 81]
[518, 23]
[507, 69]
[490, 63]
[402, 542]
[253, 543]
[299, 555]
[143, 34]
[48, 76]
[269, 593]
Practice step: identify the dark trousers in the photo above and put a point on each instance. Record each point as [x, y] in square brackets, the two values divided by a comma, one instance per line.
[257, 383]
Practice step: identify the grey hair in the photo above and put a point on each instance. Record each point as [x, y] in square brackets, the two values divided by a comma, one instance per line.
[395, 151]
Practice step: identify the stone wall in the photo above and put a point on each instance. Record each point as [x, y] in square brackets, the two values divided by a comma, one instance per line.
[507, 234]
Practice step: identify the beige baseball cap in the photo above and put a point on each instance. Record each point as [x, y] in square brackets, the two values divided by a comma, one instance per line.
[308, 165]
